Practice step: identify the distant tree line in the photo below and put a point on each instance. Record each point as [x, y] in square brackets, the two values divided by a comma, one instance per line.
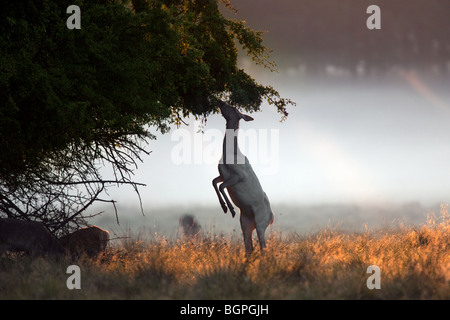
[314, 33]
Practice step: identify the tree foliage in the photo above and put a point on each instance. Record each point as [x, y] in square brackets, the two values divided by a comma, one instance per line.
[72, 101]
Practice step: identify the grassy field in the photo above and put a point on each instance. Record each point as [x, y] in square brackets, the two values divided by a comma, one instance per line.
[414, 264]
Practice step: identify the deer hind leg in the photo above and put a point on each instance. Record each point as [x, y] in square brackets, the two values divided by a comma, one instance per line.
[247, 226]
[214, 183]
[261, 226]
[260, 231]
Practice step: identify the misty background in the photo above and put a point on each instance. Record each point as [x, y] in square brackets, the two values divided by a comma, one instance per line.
[367, 143]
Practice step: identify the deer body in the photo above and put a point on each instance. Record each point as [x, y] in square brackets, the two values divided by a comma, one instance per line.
[243, 186]
[190, 227]
[28, 236]
[90, 240]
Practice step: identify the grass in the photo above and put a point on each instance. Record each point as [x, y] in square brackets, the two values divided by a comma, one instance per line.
[414, 264]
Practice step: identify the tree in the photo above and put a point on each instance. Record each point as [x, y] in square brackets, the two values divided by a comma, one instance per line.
[75, 100]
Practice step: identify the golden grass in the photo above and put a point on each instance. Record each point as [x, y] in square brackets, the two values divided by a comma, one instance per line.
[414, 264]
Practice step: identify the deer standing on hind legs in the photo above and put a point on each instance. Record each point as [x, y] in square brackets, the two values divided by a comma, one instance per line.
[237, 175]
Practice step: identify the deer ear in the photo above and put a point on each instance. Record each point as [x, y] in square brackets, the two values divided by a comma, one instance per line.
[246, 117]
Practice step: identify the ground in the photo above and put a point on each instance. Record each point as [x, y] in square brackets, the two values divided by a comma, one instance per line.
[414, 263]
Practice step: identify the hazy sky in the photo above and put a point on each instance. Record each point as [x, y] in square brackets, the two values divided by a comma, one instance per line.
[351, 137]
[343, 142]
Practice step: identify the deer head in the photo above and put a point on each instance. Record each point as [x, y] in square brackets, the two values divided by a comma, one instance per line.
[232, 115]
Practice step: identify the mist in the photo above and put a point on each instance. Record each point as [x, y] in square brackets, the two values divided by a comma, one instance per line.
[352, 152]
[366, 144]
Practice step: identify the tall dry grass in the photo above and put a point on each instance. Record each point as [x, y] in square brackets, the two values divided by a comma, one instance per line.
[414, 264]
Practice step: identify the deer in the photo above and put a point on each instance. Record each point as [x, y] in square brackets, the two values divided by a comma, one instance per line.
[91, 241]
[190, 227]
[31, 237]
[237, 176]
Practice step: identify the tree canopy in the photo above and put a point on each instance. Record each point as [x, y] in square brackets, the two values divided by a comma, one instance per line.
[73, 100]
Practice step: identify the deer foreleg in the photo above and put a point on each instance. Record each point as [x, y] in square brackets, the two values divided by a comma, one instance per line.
[228, 183]
[214, 183]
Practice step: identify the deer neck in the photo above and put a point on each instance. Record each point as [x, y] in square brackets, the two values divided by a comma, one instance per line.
[231, 154]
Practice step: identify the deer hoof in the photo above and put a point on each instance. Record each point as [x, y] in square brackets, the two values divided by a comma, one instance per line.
[224, 207]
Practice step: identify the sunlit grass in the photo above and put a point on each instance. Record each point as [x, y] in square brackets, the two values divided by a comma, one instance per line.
[414, 264]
